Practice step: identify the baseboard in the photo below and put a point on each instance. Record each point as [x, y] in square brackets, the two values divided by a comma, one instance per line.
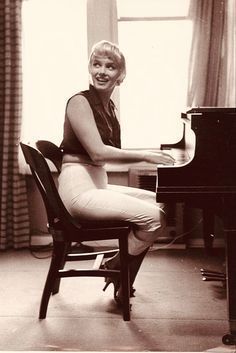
[199, 243]
[40, 239]
[169, 246]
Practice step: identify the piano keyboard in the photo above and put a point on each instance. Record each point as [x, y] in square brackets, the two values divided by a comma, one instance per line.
[180, 156]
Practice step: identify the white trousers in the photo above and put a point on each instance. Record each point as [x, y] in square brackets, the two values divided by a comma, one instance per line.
[87, 195]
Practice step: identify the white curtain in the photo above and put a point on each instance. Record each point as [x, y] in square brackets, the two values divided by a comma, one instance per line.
[227, 80]
[212, 60]
[102, 25]
[101, 21]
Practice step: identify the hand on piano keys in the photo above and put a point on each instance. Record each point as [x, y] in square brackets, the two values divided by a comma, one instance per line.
[159, 157]
[179, 155]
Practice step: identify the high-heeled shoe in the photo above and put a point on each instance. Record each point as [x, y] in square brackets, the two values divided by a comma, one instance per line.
[116, 283]
[109, 280]
[118, 298]
[134, 265]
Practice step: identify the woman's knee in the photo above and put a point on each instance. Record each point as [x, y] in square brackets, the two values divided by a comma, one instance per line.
[154, 222]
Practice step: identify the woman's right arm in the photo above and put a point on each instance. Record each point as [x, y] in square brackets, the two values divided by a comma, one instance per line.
[84, 126]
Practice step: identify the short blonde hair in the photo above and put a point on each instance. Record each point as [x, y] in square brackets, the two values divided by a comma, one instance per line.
[111, 50]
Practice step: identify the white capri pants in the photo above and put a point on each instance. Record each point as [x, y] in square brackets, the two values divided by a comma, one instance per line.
[86, 194]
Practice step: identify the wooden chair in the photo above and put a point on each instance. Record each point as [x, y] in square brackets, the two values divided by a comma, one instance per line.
[50, 151]
[65, 229]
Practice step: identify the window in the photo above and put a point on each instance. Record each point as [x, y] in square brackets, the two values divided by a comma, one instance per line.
[155, 36]
[54, 49]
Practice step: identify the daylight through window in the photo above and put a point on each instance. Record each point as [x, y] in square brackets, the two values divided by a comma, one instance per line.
[155, 37]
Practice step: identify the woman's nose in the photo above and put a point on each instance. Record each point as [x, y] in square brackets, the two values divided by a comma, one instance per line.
[102, 70]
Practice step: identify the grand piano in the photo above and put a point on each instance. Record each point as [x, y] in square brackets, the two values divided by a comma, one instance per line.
[204, 176]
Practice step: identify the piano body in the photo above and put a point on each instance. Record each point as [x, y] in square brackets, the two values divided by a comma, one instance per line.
[205, 177]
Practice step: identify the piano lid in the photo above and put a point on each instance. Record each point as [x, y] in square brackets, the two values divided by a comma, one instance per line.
[213, 110]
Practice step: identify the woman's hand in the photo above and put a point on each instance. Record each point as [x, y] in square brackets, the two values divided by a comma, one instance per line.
[158, 157]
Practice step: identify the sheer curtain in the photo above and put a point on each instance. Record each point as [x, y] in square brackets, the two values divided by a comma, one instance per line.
[102, 24]
[14, 221]
[227, 79]
[101, 21]
[212, 60]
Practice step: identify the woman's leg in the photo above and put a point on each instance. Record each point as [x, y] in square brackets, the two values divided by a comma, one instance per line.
[134, 205]
[141, 194]
[135, 261]
[86, 194]
[140, 235]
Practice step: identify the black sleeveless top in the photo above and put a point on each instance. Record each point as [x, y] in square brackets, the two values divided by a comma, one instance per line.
[107, 124]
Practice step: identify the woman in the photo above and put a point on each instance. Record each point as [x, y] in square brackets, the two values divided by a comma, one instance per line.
[91, 139]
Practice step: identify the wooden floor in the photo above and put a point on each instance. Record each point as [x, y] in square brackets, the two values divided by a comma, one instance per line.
[173, 311]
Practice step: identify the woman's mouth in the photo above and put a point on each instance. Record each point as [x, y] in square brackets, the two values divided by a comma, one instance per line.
[101, 79]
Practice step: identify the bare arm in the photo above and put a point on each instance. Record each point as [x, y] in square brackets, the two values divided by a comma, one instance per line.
[82, 121]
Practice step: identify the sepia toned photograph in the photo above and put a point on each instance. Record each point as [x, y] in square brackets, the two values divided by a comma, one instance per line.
[118, 176]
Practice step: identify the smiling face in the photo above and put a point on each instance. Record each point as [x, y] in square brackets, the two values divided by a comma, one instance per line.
[104, 72]
[106, 66]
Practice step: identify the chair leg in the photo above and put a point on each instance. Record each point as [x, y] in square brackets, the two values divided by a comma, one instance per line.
[57, 282]
[124, 268]
[58, 257]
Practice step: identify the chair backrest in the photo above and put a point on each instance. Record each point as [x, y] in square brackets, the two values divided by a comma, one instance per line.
[58, 217]
[50, 151]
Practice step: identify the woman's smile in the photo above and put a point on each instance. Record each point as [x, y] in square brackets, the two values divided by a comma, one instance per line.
[102, 79]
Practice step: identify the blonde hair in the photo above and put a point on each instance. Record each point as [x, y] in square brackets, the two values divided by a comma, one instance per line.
[112, 51]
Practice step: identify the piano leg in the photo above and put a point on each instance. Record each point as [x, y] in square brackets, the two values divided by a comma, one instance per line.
[230, 237]
[230, 338]
[208, 228]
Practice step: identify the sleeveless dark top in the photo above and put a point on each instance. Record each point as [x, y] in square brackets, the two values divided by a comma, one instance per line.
[107, 124]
